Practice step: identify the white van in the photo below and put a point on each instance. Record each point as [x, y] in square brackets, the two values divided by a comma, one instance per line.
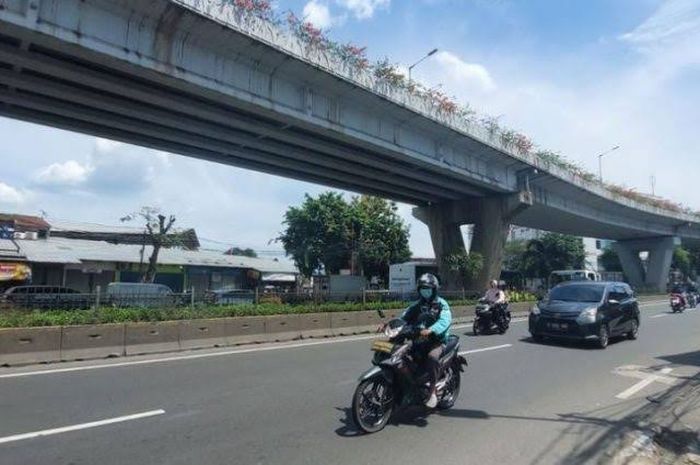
[560, 276]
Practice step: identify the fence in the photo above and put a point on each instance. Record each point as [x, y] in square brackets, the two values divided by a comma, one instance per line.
[48, 301]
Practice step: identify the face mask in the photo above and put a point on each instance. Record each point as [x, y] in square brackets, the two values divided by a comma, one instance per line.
[426, 293]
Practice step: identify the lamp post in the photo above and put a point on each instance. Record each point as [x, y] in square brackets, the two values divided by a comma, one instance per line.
[600, 161]
[410, 68]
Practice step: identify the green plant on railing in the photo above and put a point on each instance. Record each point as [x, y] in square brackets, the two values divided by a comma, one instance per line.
[508, 138]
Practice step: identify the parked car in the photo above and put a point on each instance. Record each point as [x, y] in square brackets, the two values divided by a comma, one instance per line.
[594, 311]
[229, 296]
[45, 298]
[140, 295]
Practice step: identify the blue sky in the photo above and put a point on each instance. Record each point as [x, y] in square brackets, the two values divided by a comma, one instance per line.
[579, 77]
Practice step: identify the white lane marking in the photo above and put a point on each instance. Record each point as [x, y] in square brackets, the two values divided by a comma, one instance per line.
[92, 424]
[485, 349]
[660, 315]
[651, 378]
[641, 372]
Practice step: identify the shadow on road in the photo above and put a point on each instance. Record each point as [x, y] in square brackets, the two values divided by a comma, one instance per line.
[570, 344]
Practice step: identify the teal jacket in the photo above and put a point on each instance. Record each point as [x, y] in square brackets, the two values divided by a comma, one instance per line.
[441, 327]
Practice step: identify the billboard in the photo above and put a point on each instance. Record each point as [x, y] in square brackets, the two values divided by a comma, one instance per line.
[15, 272]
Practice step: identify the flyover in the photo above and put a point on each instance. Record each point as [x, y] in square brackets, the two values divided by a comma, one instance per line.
[198, 78]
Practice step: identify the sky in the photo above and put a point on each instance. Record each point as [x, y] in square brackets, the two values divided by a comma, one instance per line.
[578, 77]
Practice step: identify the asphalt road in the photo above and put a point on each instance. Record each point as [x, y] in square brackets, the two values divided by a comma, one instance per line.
[521, 403]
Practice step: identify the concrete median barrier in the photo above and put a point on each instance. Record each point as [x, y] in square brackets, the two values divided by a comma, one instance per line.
[96, 341]
[315, 325]
[282, 327]
[245, 330]
[198, 334]
[344, 323]
[19, 346]
[149, 338]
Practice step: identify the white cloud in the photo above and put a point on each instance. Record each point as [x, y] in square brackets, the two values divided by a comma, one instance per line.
[670, 38]
[107, 145]
[10, 195]
[69, 173]
[462, 73]
[317, 13]
[363, 9]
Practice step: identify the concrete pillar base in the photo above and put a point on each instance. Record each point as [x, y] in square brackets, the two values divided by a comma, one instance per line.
[660, 250]
[491, 217]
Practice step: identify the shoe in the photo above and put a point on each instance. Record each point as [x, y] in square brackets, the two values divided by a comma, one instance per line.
[432, 401]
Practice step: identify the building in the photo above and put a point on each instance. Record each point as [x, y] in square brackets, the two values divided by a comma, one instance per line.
[83, 256]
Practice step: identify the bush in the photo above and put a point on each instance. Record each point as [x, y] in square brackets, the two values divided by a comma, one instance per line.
[15, 319]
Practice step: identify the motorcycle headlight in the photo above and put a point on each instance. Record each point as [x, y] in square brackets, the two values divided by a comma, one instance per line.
[392, 332]
[587, 316]
[535, 310]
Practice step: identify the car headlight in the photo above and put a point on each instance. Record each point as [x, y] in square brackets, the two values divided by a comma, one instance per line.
[535, 310]
[587, 316]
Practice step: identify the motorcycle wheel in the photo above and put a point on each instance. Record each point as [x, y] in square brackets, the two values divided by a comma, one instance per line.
[476, 328]
[372, 404]
[502, 325]
[451, 391]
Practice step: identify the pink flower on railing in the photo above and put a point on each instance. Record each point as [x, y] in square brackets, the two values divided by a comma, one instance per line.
[523, 144]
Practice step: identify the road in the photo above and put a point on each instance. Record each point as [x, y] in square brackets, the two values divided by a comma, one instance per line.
[521, 403]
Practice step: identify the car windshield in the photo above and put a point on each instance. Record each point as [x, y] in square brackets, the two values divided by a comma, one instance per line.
[577, 293]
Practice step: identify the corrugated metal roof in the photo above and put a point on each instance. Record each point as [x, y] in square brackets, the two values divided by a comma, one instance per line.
[62, 250]
[9, 249]
[63, 225]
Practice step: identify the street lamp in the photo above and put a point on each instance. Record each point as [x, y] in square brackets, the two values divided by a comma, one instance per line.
[410, 68]
[600, 161]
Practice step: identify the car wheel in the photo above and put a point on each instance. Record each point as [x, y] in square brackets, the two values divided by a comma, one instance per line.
[634, 332]
[603, 337]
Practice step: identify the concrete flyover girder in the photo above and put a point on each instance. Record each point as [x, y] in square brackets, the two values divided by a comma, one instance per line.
[213, 131]
[170, 100]
[491, 217]
[660, 250]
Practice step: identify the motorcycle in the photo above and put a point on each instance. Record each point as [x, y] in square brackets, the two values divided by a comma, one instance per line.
[678, 303]
[398, 379]
[489, 318]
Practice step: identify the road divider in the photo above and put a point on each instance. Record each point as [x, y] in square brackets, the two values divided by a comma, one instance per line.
[22, 346]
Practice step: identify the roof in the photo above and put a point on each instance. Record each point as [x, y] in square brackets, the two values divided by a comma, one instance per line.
[76, 251]
[119, 234]
[25, 222]
[8, 249]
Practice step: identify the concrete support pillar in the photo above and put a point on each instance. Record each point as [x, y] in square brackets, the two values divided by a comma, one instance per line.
[491, 217]
[446, 237]
[660, 251]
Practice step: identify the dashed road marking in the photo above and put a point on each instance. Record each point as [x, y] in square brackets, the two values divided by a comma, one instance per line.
[92, 424]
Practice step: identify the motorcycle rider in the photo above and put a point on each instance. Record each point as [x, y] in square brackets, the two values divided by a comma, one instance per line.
[494, 295]
[435, 314]
[496, 298]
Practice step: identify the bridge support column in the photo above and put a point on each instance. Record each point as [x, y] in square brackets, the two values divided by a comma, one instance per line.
[660, 250]
[491, 217]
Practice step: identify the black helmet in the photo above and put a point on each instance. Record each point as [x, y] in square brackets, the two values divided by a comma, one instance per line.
[428, 281]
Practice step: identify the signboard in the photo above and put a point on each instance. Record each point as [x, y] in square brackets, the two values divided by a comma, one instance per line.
[15, 272]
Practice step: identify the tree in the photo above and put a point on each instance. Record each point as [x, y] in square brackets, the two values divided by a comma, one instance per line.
[327, 233]
[241, 252]
[468, 265]
[553, 252]
[682, 261]
[159, 230]
[513, 255]
[379, 235]
[317, 234]
[610, 260]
